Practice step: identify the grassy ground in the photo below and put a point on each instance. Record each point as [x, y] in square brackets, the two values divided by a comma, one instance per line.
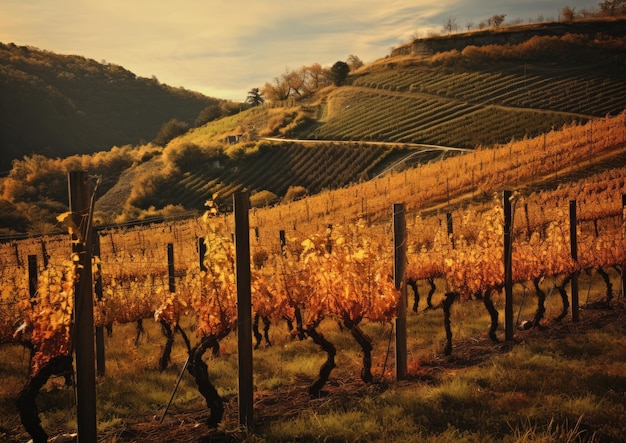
[561, 382]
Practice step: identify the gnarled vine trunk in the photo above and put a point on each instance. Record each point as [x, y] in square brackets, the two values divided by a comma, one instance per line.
[199, 370]
[447, 304]
[167, 350]
[366, 346]
[431, 291]
[607, 282]
[565, 300]
[493, 313]
[315, 390]
[416, 299]
[29, 413]
[541, 299]
[257, 334]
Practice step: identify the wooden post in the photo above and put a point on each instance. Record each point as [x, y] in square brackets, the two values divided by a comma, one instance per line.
[44, 254]
[399, 261]
[329, 240]
[528, 231]
[450, 228]
[32, 278]
[18, 260]
[241, 203]
[202, 253]
[574, 250]
[623, 276]
[508, 267]
[100, 365]
[80, 202]
[283, 241]
[170, 268]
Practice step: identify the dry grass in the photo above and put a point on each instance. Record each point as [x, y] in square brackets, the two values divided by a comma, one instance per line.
[564, 382]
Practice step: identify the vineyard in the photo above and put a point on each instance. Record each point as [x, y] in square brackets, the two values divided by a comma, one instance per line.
[527, 88]
[476, 96]
[277, 167]
[330, 258]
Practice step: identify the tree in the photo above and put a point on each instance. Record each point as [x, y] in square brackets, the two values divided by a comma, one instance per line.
[451, 25]
[339, 72]
[317, 77]
[277, 91]
[613, 7]
[169, 131]
[354, 62]
[209, 113]
[568, 14]
[255, 97]
[496, 20]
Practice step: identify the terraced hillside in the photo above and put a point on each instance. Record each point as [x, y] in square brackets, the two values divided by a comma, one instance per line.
[480, 95]
[274, 168]
[466, 97]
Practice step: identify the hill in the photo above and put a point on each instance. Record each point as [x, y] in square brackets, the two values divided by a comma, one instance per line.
[481, 93]
[60, 105]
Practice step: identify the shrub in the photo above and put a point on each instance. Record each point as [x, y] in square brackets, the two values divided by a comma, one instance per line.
[169, 131]
[294, 193]
[263, 198]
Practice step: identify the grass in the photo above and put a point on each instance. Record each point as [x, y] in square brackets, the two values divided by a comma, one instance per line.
[564, 382]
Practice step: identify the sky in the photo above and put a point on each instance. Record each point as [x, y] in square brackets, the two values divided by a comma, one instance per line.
[225, 48]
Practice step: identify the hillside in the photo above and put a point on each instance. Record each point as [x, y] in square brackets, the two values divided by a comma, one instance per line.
[473, 95]
[59, 105]
[478, 96]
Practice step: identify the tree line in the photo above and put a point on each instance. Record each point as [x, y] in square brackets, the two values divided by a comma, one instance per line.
[304, 82]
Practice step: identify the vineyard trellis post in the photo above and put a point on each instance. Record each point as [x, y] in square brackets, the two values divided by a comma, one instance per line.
[450, 228]
[80, 207]
[508, 267]
[574, 251]
[18, 260]
[171, 272]
[201, 253]
[100, 364]
[32, 277]
[399, 264]
[623, 217]
[241, 204]
[44, 254]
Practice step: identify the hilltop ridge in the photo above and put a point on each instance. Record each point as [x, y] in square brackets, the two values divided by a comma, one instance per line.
[60, 105]
[511, 35]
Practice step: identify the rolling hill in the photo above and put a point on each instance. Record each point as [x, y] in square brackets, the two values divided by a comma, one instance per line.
[477, 96]
[471, 90]
[59, 105]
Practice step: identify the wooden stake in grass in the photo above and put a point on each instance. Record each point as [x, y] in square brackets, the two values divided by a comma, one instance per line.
[399, 242]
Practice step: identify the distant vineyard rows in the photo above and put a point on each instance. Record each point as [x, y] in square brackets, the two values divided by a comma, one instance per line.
[467, 109]
[325, 166]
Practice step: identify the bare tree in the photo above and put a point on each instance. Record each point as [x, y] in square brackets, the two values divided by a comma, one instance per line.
[613, 7]
[496, 20]
[568, 14]
[279, 90]
[354, 62]
[450, 25]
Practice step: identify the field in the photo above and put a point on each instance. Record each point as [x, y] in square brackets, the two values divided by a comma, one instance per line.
[478, 97]
[325, 263]
[508, 237]
[563, 382]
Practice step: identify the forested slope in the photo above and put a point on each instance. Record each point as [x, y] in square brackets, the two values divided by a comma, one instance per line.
[59, 105]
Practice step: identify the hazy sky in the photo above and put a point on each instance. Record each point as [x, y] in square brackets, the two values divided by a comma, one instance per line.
[225, 48]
